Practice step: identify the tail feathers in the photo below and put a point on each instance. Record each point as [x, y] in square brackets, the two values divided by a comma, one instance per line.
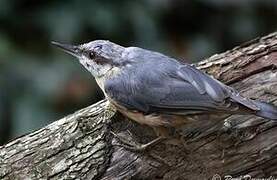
[266, 110]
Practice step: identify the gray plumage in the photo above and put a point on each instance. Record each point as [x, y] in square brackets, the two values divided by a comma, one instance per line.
[159, 84]
[152, 83]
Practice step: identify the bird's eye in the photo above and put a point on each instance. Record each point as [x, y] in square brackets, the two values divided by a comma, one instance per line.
[91, 55]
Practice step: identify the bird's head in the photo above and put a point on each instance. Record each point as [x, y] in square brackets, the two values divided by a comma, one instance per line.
[98, 57]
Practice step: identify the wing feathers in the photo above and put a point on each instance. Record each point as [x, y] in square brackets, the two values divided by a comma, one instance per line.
[161, 84]
[203, 83]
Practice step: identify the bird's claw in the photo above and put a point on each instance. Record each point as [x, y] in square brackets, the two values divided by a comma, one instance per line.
[134, 146]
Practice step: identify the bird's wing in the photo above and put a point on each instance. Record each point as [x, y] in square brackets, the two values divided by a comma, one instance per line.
[180, 89]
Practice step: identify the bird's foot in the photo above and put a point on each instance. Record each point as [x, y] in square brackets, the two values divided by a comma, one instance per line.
[134, 146]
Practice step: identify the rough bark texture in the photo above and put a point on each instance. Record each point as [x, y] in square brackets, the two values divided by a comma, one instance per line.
[81, 145]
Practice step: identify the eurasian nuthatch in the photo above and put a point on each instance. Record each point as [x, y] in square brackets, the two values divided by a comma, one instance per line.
[157, 90]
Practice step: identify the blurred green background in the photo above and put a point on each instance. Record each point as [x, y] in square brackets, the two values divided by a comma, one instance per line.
[40, 84]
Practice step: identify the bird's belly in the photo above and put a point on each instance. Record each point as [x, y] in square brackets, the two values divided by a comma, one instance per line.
[153, 120]
[150, 120]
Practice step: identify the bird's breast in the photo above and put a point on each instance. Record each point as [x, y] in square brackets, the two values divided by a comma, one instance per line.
[109, 74]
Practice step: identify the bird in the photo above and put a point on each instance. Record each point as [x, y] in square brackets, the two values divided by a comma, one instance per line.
[157, 90]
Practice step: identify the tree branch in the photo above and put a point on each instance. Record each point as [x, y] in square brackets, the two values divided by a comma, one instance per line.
[81, 145]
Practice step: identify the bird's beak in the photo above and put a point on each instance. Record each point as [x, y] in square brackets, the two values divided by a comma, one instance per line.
[70, 49]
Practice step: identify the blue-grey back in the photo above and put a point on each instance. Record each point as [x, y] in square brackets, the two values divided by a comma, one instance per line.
[154, 82]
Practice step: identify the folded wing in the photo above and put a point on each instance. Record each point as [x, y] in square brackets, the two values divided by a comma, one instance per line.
[172, 88]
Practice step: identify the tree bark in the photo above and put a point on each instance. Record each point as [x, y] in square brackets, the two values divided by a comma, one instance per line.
[82, 146]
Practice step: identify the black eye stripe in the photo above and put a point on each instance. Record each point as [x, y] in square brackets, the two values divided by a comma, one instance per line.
[95, 55]
[91, 55]
[100, 61]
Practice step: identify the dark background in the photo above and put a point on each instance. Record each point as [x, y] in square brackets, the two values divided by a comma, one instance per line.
[40, 84]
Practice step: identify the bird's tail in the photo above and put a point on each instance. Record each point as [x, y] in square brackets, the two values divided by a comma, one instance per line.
[256, 107]
[266, 110]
